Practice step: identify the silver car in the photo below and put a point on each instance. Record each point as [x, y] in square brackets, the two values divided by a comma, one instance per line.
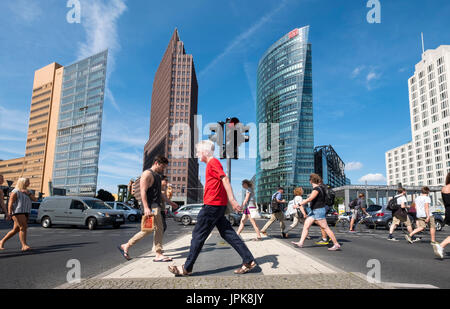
[78, 211]
[187, 214]
[131, 214]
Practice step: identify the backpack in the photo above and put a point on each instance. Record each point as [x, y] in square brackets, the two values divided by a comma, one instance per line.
[353, 204]
[392, 205]
[274, 204]
[329, 194]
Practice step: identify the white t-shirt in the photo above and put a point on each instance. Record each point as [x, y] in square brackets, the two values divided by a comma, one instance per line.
[420, 205]
[402, 199]
[297, 201]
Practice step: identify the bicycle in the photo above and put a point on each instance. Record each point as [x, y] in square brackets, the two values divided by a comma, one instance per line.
[366, 224]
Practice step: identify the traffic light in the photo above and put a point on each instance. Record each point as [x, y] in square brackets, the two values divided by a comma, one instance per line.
[231, 134]
[217, 137]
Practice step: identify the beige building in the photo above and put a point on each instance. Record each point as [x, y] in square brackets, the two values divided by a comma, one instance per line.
[37, 165]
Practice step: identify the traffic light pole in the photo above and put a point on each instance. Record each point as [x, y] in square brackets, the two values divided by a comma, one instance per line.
[229, 169]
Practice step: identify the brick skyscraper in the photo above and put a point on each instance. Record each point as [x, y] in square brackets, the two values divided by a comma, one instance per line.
[174, 102]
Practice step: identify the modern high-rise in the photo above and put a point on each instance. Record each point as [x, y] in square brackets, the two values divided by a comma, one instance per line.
[285, 97]
[79, 126]
[173, 107]
[425, 161]
[64, 132]
[329, 166]
[37, 165]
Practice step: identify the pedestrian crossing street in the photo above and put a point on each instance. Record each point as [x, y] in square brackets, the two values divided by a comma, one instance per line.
[273, 256]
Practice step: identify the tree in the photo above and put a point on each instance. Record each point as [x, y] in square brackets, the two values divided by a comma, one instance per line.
[105, 196]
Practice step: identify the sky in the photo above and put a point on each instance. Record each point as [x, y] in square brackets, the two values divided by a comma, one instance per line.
[360, 70]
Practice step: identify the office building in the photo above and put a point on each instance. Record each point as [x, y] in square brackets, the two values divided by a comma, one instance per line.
[37, 165]
[284, 96]
[425, 161]
[79, 126]
[329, 166]
[173, 107]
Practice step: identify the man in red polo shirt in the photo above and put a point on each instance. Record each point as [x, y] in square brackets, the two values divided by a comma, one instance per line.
[218, 192]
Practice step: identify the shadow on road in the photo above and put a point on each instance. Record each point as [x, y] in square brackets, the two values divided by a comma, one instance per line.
[43, 250]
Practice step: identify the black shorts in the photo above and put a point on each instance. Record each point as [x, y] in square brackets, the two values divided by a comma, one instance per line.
[25, 214]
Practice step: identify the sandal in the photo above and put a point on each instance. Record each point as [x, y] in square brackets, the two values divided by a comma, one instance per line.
[174, 270]
[297, 245]
[166, 259]
[245, 268]
[124, 254]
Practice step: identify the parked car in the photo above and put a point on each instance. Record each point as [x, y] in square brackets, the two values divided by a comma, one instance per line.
[34, 212]
[265, 215]
[332, 217]
[235, 218]
[187, 214]
[131, 214]
[383, 217]
[78, 211]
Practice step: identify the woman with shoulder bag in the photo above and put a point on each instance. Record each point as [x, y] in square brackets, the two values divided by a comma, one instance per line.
[249, 207]
[19, 210]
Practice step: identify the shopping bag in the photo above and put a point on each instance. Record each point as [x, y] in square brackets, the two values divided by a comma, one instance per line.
[291, 211]
[254, 213]
[148, 224]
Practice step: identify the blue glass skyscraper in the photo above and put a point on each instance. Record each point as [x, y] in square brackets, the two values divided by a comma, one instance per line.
[79, 126]
[284, 97]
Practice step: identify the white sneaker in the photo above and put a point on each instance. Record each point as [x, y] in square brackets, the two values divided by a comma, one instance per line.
[438, 251]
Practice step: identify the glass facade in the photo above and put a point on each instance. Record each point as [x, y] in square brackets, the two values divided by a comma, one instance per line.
[79, 126]
[285, 97]
[330, 166]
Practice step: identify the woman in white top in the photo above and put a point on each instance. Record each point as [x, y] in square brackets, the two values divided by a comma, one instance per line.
[298, 199]
[248, 204]
[19, 209]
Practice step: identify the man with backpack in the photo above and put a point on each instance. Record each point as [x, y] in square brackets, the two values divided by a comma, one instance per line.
[277, 205]
[357, 207]
[320, 197]
[399, 205]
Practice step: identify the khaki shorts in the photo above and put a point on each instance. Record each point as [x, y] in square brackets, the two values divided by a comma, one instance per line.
[397, 221]
[422, 224]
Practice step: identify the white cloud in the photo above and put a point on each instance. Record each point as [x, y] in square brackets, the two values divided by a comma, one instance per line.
[353, 166]
[357, 71]
[27, 10]
[250, 79]
[244, 36]
[99, 20]
[13, 120]
[373, 178]
[371, 76]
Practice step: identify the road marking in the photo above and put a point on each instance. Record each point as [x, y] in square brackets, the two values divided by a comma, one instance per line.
[410, 285]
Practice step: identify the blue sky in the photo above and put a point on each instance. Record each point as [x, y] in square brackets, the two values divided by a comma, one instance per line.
[360, 70]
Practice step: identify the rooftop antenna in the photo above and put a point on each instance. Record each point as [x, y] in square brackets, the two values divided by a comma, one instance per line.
[423, 45]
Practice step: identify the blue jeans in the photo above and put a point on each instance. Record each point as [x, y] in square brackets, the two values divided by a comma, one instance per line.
[317, 214]
[209, 218]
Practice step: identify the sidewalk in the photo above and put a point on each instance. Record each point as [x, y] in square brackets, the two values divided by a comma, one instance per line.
[280, 267]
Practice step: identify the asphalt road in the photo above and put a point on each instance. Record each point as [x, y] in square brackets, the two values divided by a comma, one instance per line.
[45, 267]
[401, 262]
